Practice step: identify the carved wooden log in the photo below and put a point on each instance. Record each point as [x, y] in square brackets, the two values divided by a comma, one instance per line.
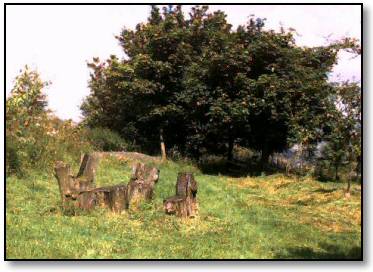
[184, 203]
[88, 168]
[118, 198]
[79, 191]
[71, 187]
[141, 186]
[64, 178]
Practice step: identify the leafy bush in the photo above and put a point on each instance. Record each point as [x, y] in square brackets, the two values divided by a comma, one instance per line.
[103, 139]
[35, 139]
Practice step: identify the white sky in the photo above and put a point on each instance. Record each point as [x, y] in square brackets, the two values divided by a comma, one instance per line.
[59, 40]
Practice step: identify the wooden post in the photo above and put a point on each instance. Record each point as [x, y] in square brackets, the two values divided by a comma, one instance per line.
[163, 147]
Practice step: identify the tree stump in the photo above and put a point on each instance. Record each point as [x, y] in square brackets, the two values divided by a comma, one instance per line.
[88, 168]
[74, 190]
[184, 203]
[79, 191]
[112, 197]
[118, 198]
[141, 186]
[176, 205]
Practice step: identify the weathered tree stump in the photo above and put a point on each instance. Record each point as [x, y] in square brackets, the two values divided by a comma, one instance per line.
[184, 203]
[118, 198]
[79, 191]
[112, 197]
[88, 167]
[176, 205]
[141, 186]
[73, 189]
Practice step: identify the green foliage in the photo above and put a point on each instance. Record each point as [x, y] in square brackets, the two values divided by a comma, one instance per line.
[263, 217]
[343, 132]
[104, 139]
[209, 87]
[35, 139]
[25, 110]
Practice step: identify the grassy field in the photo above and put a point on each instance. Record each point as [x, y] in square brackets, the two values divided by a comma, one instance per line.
[262, 217]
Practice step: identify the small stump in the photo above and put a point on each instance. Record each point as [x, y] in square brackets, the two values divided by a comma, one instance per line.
[184, 203]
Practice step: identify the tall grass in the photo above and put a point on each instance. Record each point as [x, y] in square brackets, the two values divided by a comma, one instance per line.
[263, 217]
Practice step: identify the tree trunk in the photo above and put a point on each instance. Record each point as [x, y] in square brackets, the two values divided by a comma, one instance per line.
[336, 172]
[264, 158]
[230, 148]
[163, 147]
[349, 179]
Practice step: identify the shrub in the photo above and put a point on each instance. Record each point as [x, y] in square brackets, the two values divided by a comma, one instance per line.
[35, 138]
[103, 139]
[43, 143]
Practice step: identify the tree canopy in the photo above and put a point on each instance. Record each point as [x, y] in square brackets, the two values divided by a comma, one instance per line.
[208, 86]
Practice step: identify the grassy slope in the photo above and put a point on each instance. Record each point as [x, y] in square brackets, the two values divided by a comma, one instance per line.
[263, 217]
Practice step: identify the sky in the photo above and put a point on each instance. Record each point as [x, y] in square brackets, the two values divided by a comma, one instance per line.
[59, 40]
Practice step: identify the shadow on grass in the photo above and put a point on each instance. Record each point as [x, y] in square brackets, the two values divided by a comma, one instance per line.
[325, 191]
[233, 168]
[329, 251]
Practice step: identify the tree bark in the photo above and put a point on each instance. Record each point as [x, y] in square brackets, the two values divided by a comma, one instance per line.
[64, 179]
[72, 187]
[118, 198]
[88, 167]
[184, 203]
[141, 186]
[79, 191]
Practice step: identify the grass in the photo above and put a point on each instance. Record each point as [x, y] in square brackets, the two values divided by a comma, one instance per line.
[263, 218]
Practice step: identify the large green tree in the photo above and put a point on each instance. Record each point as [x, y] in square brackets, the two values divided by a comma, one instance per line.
[206, 86]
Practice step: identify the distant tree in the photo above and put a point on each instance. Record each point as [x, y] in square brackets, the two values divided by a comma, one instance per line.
[26, 99]
[207, 87]
[25, 111]
[343, 131]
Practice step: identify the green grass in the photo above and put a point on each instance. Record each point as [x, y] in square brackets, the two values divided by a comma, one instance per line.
[263, 217]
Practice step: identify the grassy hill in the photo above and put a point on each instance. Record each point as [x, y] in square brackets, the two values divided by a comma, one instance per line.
[262, 217]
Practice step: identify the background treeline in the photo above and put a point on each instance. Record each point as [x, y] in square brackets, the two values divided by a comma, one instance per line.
[207, 90]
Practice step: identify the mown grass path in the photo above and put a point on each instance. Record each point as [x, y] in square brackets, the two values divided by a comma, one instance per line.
[262, 217]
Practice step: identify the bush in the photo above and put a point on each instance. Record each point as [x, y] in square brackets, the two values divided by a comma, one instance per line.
[35, 139]
[12, 158]
[103, 139]
[43, 143]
